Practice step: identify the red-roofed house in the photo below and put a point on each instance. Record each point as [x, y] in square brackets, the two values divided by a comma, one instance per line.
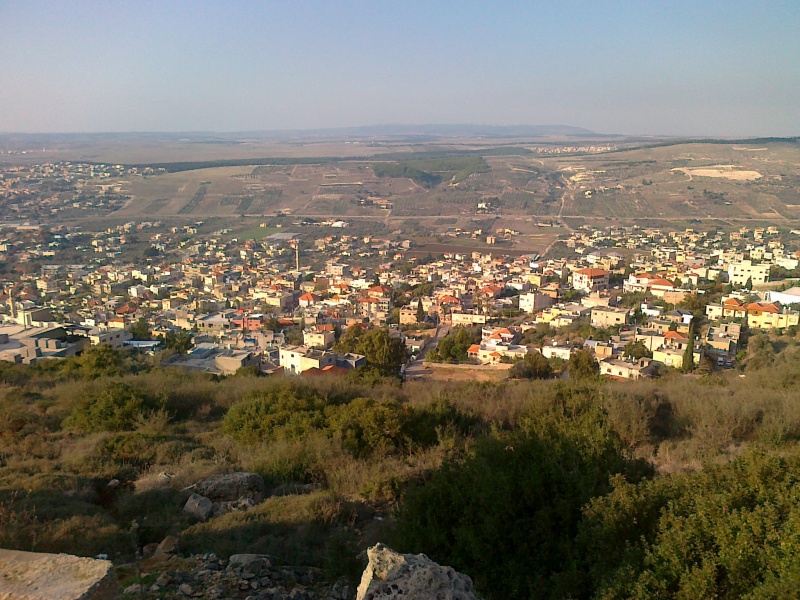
[590, 280]
[308, 299]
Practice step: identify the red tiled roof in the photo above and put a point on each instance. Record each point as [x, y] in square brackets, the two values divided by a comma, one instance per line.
[766, 307]
[592, 273]
[674, 335]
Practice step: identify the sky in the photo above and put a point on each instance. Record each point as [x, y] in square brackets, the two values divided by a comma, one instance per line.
[643, 67]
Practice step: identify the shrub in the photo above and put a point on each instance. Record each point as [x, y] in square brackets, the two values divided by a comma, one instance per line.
[518, 500]
[284, 411]
[142, 450]
[727, 532]
[366, 425]
[117, 406]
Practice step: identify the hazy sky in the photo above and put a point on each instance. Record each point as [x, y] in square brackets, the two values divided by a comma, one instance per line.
[640, 67]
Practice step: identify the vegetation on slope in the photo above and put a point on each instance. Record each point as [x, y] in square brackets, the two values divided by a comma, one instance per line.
[681, 487]
[430, 172]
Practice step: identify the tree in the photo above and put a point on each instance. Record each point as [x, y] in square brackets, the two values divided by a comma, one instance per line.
[454, 347]
[178, 341]
[420, 312]
[696, 304]
[539, 365]
[99, 361]
[687, 365]
[637, 350]
[383, 351]
[582, 365]
[140, 330]
[533, 366]
[748, 285]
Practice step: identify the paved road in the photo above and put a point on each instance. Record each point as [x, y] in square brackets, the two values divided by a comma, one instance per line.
[415, 367]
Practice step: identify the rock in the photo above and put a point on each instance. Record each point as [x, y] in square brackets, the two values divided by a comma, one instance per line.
[199, 507]
[233, 486]
[39, 576]
[149, 550]
[288, 489]
[340, 590]
[185, 589]
[242, 504]
[132, 589]
[390, 575]
[255, 564]
[169, 545]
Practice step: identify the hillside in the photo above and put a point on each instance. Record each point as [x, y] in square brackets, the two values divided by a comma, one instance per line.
[547, 476]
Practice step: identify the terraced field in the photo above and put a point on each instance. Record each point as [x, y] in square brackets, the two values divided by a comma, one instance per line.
[679, 182]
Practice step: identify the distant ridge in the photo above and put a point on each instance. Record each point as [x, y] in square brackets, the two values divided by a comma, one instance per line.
[390, 130]
[457, 130]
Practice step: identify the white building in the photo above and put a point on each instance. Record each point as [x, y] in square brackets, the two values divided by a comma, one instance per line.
[533, 302]
[740, 272]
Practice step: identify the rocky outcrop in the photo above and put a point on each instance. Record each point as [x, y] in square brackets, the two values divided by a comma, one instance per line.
[198, 507]
[232, 487]
[240, 577]
[221, 494]
[390, 575]
[38, 576]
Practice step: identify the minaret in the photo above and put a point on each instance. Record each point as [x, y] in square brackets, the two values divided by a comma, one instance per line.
[13, 304]
[296, 244]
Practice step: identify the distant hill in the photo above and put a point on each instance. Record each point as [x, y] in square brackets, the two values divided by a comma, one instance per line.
[366, 131]
[458, 130]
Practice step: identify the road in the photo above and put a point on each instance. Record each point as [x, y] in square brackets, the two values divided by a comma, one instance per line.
[415, 368]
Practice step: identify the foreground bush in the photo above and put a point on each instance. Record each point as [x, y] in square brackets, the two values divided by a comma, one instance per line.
[727, 532]
[509, 514]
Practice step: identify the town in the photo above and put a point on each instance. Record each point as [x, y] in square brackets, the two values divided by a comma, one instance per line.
[637, 301]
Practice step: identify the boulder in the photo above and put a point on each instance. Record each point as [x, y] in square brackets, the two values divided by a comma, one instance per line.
[169, 545]
[232, 486]
[199, 507]
[390, 575]
[39, 576]
[249, 563]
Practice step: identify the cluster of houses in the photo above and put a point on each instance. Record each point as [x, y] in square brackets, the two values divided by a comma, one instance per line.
[252, 303]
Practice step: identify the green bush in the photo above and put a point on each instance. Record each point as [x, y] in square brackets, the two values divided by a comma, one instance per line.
[508, 515]
[117, 406]
[141, 450]
[727, 532]
[428, 423]
[366, 425]
[287, 411]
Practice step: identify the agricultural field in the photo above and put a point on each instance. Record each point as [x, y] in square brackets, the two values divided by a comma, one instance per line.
[683, 181]
[419, 189]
